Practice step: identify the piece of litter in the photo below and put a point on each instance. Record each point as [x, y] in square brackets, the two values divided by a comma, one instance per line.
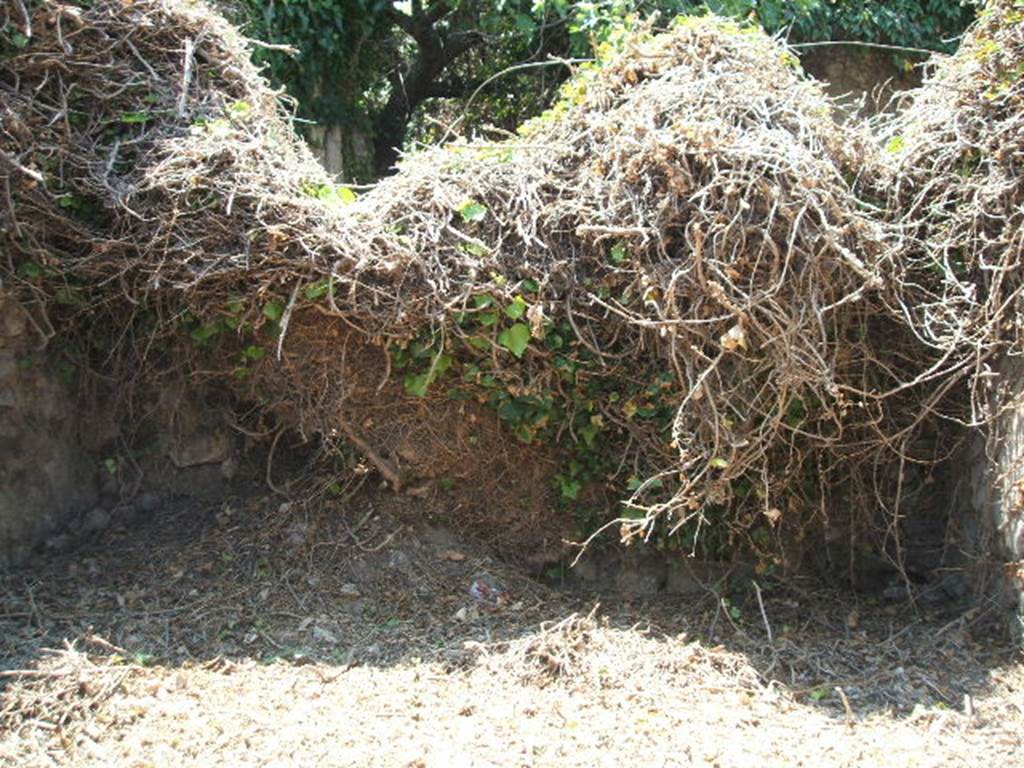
[487, 591]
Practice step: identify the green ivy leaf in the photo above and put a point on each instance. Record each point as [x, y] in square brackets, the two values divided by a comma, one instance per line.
[569, 487]
[525, 23]
[589, 433]
[517, 308]
[332, 195]
[135, 118]
[273, 310]
[472, 211]
[417, 384]
[204, 333]
[240, 109]
[515, 339]
[475, 249]
[30, 270]
[317, 290]
[444, 362]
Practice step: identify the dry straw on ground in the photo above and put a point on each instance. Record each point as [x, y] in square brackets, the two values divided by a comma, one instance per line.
[218, 636]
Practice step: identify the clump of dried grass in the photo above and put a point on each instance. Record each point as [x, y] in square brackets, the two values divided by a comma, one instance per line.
[586, 652]
[64, 691]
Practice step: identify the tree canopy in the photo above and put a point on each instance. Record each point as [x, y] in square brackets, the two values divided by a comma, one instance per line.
[383, 68]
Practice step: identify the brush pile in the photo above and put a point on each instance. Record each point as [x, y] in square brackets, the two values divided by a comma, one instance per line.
[670, 290]
[957, 194]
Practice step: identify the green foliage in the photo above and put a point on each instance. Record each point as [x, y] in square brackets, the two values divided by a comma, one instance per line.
[339, 56]
[273, 311]
[472, 211]
[132, 118]
[317, 290]
[515, 339]
[547, 387]
[930, 24]
[349, 51]
[517, 308]
[331, 194]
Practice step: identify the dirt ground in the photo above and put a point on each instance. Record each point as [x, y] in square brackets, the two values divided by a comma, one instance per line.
[254, 632]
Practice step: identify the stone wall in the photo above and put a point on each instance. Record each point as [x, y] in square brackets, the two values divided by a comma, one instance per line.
[67, 470]
[47, 474]
[990, 508]
[865, 79]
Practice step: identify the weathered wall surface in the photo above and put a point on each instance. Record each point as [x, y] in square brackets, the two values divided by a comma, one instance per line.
[47, 476]
[64, 468]
[991, 502]
[855, 73]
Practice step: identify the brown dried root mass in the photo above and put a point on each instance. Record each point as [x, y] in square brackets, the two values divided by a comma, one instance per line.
[695, 291]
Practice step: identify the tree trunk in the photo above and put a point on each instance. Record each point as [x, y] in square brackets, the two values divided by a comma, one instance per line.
[415, 83]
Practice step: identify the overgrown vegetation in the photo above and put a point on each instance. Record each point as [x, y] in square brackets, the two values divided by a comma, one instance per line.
[684, 286]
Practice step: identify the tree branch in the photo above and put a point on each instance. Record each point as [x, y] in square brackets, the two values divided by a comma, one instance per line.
[438, 11]
[458, 43]
[417, 79]
[420, 25]
[450, 89]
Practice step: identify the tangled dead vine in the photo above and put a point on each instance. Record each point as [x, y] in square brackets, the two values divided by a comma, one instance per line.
[956, 195]
[683, 280]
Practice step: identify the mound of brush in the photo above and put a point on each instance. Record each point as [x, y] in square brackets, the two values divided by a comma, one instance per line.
[676, 301]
